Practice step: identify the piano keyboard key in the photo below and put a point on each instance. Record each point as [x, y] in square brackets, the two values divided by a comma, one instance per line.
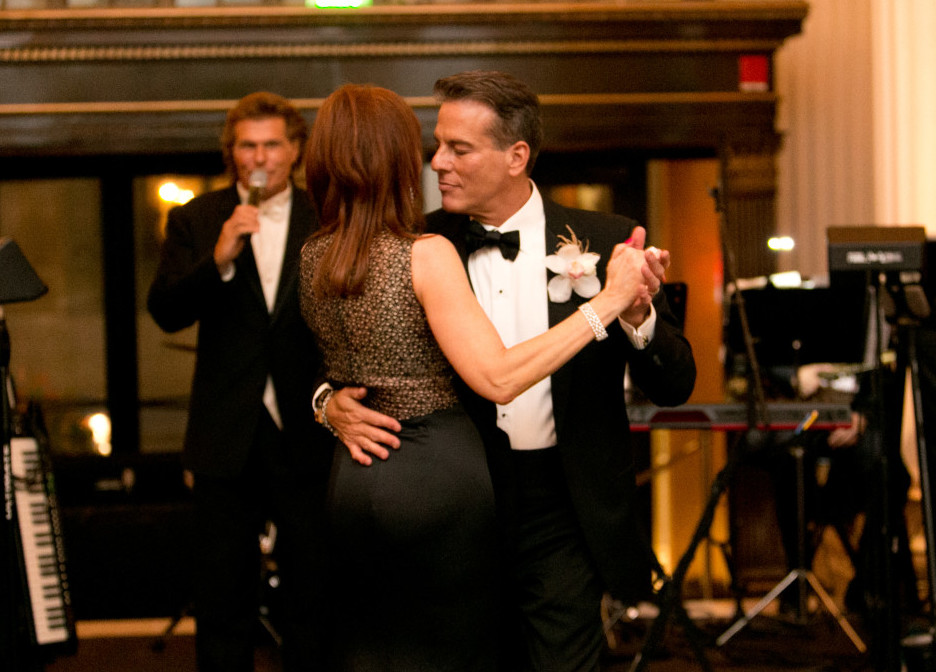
[43, 556]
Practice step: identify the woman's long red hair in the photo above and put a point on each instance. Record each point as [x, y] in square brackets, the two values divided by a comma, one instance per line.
[363, 169]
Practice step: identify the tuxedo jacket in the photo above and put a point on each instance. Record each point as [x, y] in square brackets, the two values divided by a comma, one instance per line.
[240, 342]
[592, 430]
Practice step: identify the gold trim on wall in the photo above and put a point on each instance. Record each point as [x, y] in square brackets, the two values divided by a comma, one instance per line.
[371, 50]
[546, 100]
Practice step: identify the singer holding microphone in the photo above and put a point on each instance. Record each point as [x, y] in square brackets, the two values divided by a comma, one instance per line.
[229, 263]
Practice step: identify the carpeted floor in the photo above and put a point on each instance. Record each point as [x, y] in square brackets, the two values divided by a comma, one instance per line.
[768, 643]
[146, 645]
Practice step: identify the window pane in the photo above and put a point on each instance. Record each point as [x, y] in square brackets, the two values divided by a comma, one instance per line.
[57, 341]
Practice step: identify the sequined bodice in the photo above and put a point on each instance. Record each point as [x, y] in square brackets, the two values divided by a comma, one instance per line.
[379, 339]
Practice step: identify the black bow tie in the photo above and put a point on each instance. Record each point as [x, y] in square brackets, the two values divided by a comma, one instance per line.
[477, 237]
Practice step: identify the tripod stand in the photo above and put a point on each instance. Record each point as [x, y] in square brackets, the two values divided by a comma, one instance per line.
[671, 593]
[802, 575]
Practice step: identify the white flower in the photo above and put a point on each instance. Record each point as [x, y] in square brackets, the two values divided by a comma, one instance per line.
[575, 269]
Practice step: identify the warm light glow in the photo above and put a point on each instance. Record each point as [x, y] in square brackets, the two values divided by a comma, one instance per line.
[100, 426]
[333, 4]
[172, 193]
[789, 279]
[781, 244]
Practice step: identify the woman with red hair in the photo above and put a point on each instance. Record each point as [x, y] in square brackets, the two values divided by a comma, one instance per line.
[414, 537]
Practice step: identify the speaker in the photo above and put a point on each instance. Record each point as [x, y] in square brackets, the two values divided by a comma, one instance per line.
[129, 560]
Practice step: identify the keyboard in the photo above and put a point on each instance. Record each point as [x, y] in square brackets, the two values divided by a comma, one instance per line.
[729, 417]
[41, 546]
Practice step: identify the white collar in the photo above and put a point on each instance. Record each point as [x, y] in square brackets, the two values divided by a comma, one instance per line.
[529, 218]
[277, 200]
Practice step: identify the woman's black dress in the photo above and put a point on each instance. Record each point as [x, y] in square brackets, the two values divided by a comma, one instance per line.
[414, 537]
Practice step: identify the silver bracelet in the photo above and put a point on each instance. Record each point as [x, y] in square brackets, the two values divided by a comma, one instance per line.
[593, 321]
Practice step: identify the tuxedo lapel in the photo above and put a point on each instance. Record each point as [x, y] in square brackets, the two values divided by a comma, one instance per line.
[556, 220]
[247, 265]
[455, 232]
[245, 262]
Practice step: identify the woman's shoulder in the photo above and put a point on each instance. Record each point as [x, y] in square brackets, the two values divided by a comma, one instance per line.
[433, 251]
[432, 244]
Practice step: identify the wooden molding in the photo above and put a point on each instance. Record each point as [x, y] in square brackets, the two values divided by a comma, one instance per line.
[658, 13]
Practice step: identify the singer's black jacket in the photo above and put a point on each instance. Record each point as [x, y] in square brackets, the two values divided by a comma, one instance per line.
[239, 341]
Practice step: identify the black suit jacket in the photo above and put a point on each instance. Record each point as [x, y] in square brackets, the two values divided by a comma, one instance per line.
[240, 342]
[589, 406]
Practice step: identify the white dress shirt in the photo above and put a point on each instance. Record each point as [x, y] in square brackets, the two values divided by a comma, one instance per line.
[513, 294]
[269, 247]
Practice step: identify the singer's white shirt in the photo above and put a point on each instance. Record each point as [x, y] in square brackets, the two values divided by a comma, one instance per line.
[269, 247]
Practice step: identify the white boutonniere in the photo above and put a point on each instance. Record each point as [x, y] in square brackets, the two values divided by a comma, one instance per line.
[575, 268]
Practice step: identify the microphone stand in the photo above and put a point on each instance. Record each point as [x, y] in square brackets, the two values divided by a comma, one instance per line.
[757, 405]
[671, 593]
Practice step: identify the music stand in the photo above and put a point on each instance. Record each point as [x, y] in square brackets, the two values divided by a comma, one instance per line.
[792, 327]
[18, 282]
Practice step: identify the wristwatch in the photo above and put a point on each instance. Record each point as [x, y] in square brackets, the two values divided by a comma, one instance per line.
[319, 408]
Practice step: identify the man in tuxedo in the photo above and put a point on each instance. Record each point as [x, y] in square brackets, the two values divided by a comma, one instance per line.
[230, 262]
[560, 454]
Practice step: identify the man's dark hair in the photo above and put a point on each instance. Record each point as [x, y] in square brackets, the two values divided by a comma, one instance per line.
[262, 105]
[514, 103]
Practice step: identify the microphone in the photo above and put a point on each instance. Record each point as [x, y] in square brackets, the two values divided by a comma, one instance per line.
[256, 183]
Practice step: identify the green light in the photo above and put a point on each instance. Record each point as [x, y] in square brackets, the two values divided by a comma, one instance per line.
[338, 4]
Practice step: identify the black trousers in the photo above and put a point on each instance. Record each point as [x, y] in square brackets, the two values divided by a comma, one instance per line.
[230, 514]
[555, 581]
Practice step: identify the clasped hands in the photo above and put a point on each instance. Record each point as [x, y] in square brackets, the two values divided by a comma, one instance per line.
[652, 270]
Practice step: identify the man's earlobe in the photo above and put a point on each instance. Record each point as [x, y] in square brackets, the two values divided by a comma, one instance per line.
[519, 157]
